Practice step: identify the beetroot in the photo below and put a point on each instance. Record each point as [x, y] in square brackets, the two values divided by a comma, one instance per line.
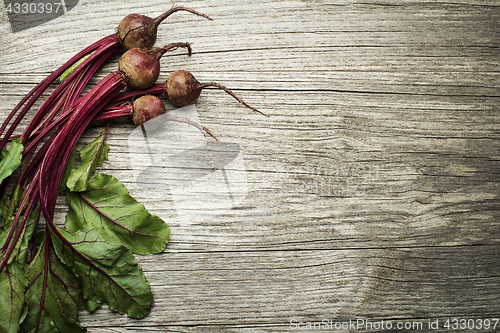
[146, 108]
[183, 89]
[142, 67]
[139, 31]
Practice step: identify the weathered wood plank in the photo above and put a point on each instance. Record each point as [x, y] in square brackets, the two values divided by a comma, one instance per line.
[415, 29]
[267, 288]
[478, 84]
[373, 188]
[376, 177]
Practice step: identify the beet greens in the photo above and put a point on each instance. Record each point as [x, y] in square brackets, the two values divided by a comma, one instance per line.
[83, 265]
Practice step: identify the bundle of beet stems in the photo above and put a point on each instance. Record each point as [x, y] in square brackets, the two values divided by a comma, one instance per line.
[49, 272]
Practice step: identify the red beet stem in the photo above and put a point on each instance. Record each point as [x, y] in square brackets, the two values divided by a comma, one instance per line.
[48, 125]
[32, 163]
[128, 95]
[48, 128]
[62, 120]
[44, 186]
[46, 131]
[68, 91]
[46, 122]
[55, 160]
[37, 91]
[61, 104]
[113, 113]
[220, 86]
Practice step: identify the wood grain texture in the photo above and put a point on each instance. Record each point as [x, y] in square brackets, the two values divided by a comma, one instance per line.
[373, 187]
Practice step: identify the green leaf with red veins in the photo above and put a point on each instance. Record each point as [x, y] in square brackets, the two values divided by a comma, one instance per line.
[107, 271]
[21, 247]
[107, 205]
[12, 285]
[10, 160]
[67, 172]
[52, 295]
[85, 304]
[92, 155]
[4, 207]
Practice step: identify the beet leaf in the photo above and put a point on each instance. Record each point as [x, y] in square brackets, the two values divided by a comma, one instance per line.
[12, 284]
[48, 276]
[21, 247]
[107, 206]
[13, 280]
[52, 294]
[106, 270]
[10, 159]
[92, 156]
[85, 304]
[4, 207]
[67, 172]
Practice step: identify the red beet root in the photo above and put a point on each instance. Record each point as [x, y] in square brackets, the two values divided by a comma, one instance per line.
[146, 108]
[142, 67]
[139, 31]
[183, 89]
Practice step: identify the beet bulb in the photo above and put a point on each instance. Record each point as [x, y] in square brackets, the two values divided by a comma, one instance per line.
[146, 108]
[139, 31]
[183, 89]
[142, 67]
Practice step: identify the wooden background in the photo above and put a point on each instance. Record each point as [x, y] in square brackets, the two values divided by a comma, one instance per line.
[373, 187]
